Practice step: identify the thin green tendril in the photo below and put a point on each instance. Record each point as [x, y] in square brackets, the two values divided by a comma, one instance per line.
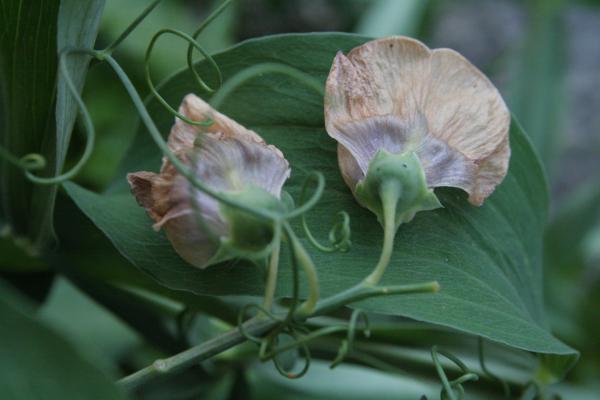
[303, 347]
[33, 162]
[339, 235]
[346, 344]
[269, 349]
[36, 162]
[301, 256]
[314, 199]
[179, 166]
[202, 84]
[110, 48]
[450, 388]
[87, 123]
[29, 162]
[244, 310]
[192, 45]
[272, 268]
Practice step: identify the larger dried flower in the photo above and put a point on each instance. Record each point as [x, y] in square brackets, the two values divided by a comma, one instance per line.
[433, 107]
[227, 158]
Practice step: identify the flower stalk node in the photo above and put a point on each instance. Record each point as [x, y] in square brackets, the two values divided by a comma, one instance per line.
[396, 181]
[247, 232]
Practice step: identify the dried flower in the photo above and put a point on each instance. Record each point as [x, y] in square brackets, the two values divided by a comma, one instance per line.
[227, 158]
[431, 107]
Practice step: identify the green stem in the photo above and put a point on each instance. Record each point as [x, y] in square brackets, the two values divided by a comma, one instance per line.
[190, 52]
[440, 370]
[363, 291]
[302, 257]
[272, 276]
[199, 80]
[179, 166]
[196, 354]
[389, 198]
[109, 49]
[260, 326]
[83, 111]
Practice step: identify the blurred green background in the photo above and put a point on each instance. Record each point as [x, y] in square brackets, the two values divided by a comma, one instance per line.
[544, 55]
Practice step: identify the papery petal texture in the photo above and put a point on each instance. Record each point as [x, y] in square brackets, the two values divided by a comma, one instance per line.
[227, 158]
[396, 94]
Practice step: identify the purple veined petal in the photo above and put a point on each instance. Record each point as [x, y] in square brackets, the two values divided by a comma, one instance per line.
[398, 95]
[226, 157]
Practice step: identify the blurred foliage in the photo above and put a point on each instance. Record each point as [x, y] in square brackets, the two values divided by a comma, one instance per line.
[32, 352]
[27, 118]
[537, 86]
[85, 307]
[392, 17]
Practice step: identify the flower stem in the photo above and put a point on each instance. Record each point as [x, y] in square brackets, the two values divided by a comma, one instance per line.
[303, 258]
[260, 326]
[272, 276]
[389, 198]
[196, 354]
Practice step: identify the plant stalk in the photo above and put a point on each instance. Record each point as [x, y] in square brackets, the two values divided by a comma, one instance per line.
[260, 326]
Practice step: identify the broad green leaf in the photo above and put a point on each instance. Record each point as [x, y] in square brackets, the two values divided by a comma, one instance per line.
[87, 325]
[32, 120]
[28, 63]
[487, 259]
[36, 363]
[77, 27]
[86, 255]
[571, 272]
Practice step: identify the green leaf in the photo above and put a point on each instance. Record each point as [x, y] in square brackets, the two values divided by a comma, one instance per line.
[88, 326]
[78, 23]
[27, 79]
[36, 363]
[32, 119]
[487, 259]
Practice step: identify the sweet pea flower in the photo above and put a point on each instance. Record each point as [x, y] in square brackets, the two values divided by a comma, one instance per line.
[404, 113]
[227, 158]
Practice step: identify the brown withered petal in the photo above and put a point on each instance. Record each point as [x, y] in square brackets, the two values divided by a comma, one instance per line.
[396, 94]
[227, 158]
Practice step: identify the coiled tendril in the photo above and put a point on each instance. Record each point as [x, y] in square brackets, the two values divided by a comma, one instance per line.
[339, 235]
[451, 388]
[291, 323]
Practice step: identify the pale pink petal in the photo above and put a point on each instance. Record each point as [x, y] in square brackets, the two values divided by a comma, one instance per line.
[398, 95]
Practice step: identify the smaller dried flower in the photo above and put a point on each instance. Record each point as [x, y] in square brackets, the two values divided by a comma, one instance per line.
[227, 158]
[431, 113]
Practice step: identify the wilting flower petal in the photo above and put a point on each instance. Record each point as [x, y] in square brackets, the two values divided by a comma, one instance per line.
[226, 157]
[397, 95]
